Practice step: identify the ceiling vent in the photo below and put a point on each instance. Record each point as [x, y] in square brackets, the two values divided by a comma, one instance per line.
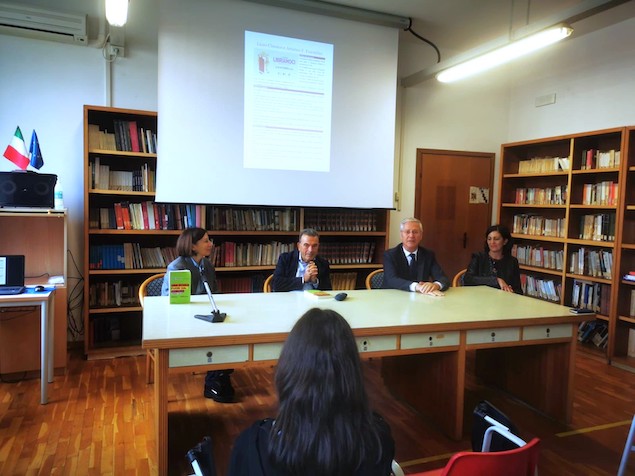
[44, 24]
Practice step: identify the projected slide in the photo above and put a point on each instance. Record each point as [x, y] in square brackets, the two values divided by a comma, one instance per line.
[287, 108]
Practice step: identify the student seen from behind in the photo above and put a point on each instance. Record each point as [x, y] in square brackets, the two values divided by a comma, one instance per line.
[324, 424]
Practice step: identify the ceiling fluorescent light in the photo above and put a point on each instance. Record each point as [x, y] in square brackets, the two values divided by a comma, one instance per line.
[505, 53]
[117, 12]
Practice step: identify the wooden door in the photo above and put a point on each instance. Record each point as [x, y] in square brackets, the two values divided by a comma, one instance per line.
[453, 200]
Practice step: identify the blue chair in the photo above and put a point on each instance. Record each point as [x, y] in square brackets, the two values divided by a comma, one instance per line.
[375, 279]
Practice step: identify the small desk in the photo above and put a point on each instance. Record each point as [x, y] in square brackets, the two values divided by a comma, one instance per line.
[46, 301]
[423, 341]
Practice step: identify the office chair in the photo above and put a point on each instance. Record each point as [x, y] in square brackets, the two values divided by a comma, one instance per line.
[458, 278]
[201, 457]
[150, 287]
[266, 286]
[375, 279]
[628, 448]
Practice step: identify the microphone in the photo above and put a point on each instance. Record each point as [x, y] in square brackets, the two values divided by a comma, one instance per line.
[216, 315]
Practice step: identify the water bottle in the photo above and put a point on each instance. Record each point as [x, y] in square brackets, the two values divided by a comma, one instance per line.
[58, 195]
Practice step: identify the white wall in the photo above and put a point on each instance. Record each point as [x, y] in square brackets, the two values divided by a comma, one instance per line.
[593, 76]
[44, 86]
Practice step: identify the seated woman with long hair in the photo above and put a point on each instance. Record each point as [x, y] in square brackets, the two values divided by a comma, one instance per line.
[324, 424]
[495, 266]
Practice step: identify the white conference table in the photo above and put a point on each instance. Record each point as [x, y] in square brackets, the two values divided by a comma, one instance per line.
[46, 301]
[526, 345]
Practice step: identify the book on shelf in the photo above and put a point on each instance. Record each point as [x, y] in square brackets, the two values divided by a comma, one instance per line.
[317, 294]
[631, 312]
[631, 343]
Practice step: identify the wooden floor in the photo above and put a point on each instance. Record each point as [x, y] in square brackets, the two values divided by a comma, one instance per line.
[100, 421]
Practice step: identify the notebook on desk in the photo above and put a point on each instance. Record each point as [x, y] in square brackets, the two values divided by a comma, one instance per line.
[11, 274]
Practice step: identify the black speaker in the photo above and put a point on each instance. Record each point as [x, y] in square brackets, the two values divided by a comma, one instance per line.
[24, 188]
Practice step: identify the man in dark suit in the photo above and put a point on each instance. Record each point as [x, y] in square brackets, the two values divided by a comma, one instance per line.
[411, 267]
[302, 268]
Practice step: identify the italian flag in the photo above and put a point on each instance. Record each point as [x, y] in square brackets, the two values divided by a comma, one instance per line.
[16, 150]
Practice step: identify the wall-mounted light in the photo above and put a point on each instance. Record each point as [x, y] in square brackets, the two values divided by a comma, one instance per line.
[505, 53]
[117, 12]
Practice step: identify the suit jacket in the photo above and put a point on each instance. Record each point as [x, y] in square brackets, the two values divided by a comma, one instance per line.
[284, 278]
[397, 270]
[186, 262]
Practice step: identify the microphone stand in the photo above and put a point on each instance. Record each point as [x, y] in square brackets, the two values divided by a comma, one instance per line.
[216, 315]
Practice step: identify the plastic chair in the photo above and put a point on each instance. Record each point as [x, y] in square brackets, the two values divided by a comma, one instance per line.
[375, 279]
[628, 448]
[458, 278]
[150, 287]
[201, 457]
[521, 461]
[266, 286]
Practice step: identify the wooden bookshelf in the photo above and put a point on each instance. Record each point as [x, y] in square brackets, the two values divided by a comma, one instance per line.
[563, 199]
[247, 239]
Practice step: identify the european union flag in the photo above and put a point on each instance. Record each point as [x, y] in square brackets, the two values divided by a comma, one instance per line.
[34, 152]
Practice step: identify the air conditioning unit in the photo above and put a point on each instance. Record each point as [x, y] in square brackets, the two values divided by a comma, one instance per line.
[44, 24]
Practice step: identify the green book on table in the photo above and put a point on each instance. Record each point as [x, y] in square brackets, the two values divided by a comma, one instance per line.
[180, 286]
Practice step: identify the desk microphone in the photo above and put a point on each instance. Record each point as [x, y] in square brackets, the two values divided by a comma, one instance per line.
[216, 315]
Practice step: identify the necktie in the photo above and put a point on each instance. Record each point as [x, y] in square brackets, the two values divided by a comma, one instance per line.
[413, 266]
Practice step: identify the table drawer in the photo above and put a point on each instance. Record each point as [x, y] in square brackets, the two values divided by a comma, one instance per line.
[269, 351]
[547, 332]
[209, 355]
[376, 343]
[488, 336]
[430, 339]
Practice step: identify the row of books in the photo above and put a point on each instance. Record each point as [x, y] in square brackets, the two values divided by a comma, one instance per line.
[602, 193]
[596, 263]
[126, 136]
[242, 284]
[129, 256]
[106, 329]
[541, 196]
[142, 179]
[536, 255]
[593, 296]
[343, 281]
[543, 165]
[594, 332]
[232, 254]
[113, 294]
[348, 252]
[526, 224]
[148, 215]
[599, 159]
[541, 288]
[341, 220]
[597, 227]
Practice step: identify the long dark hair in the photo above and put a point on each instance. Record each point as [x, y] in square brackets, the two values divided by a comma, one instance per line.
[324, 424]
[189, 237]
[504, 231]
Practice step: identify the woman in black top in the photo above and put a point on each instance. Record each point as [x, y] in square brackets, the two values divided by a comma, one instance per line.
[495, 267]
[324, 424]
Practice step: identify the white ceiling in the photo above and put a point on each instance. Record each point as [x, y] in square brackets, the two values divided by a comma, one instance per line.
[456, 26]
